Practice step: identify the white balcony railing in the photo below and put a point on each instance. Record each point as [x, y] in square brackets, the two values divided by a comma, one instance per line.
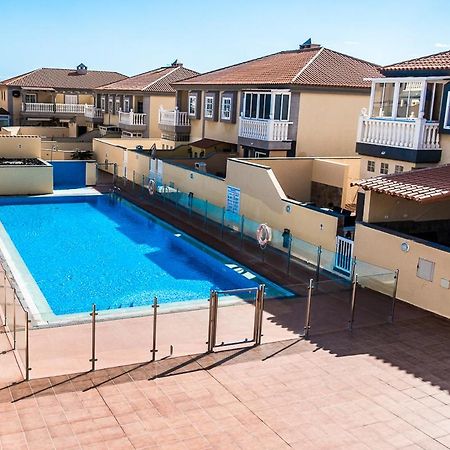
[91, 112]
[174, 117]
[38, 107]
[264, 130]
[132, 118]
[71, 108]
[416, 134]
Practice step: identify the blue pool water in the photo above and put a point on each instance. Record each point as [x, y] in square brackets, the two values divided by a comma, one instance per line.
[103, 250]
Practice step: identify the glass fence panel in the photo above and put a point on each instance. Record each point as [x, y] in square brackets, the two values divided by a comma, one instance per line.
[9, 302]
[2, 294]
[232, 220]
[384, 283]
[20, 335]
[304, 251]
[215, 213]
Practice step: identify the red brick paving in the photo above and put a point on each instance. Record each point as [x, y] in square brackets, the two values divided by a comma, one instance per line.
[382, 386]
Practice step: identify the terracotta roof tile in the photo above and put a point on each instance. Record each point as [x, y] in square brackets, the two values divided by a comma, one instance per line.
[156, 80]
[315, 66]
[423, 185]
[64, 79]
[437, 61]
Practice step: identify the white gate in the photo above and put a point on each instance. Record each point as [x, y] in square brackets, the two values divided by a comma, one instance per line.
[344, 255]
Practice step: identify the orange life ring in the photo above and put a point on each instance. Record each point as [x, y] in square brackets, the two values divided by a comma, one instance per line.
[151, 186]
[263, 234]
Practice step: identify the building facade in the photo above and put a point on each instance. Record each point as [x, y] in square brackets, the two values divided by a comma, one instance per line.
[407, 123]
[133, 105]
[294, 103]
[53, 97]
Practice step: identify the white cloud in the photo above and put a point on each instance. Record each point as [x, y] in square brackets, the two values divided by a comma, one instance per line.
[441, 45]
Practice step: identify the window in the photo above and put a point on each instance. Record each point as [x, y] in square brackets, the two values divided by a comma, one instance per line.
[259, 106]
[370, 166]
[398, 169]
[110, 105]
[447, 113]
[409, 99]
[225, 111]
[384, 169]
[70, 99]
[383, 99]
[126, 104]
[30, 98]
[117, 104]
[102, 103]
[281, 107]
[209, 107]
[433, 101]
[192, 105]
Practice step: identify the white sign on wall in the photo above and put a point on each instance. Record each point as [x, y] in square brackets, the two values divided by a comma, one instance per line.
[233, 199]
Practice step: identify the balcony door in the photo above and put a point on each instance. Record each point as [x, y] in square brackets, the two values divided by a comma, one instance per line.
[71, 99]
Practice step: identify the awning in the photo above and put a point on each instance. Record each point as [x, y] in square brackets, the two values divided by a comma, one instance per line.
[206, 143]
[422, 185]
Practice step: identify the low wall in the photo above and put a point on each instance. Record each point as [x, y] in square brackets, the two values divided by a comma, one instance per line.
[48, 132]
[20, 146]
[73, 174]
[26, 180]
[384, 249]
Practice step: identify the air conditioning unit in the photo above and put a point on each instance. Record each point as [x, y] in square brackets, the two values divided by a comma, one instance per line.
[200, 166]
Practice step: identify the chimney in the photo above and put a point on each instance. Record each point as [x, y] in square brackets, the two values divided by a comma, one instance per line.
[176, 63]
[81, 69]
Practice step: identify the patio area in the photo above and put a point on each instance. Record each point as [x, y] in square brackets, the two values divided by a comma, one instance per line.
[382, 386]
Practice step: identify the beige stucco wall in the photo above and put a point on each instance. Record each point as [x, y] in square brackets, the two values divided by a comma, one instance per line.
[20, 146]
[407, 166]
[387, 208]
[328, 121]
[156, 102]
[383, 249]
[26, 180]
[445, 145]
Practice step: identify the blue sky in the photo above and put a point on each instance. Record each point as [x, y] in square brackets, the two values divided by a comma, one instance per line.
[136, 35]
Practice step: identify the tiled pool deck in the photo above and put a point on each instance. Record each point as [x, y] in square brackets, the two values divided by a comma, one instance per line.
[384, 386]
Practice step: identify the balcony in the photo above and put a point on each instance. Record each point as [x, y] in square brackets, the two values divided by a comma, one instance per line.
[132, 121]
[264, 133]
[93, 114]
[52, 108]
[174, 124]
[413, 140]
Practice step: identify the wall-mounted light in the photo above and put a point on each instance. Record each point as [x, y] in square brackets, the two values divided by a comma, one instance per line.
[405, 247]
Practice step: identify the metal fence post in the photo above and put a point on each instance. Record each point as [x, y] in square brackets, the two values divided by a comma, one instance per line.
[14, 317]
[289, 255]
[223, 221]
[4, 292]
[206, 215]
[261, 291]
[134, 180]
[394, 298]
[307, 327]
[319, 255]
[155, 307]
[212, 330]
[93, 359]
[242, 230]
[114, 173]
[177, 199]
[27, 347]
[353, 303]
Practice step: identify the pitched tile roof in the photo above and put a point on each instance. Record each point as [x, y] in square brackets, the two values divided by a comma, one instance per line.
[156, 80]
[315, 66]
[423, 185]
[437, 61]
[64, 79]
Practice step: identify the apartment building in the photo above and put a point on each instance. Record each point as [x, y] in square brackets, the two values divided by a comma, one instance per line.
[53, 97]
[407, 122]
[133, 105]
[302, 102]
[405, 226]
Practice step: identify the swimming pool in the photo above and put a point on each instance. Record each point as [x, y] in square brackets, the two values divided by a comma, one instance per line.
[70, 252]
